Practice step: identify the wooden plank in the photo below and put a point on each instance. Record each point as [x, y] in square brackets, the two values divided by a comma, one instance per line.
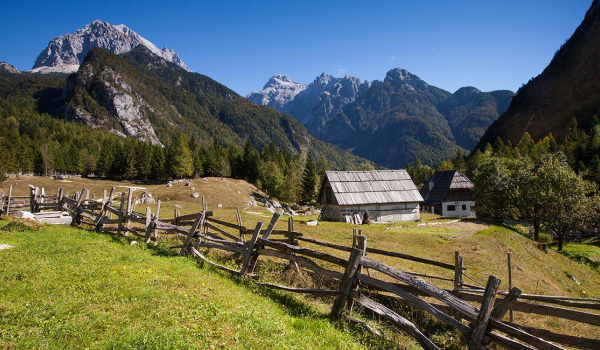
[326, 244]
[193, 216]
[224, 233]
[240, 250]
[543, 298]
[348, 280]
[505, 305]
[249, 252]
[271, 226]
[484, 315]
[573, 315]
[466, 309]
[570, 340]
[197, 254]
[301, 290]
[224, 223]
[197, 224]
[155, 220]
[304, 262]
[304, 251]
[398, 320]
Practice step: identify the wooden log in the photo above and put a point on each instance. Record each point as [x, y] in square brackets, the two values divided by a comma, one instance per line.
[196, 253]
[221, 241]
[466, 309]
[224, 233]
[558, 300]
[240, 250]
[304, 262]
[501, 308]
[411, 258]
[304, 251]
[193, 216]
[348, 280]
[568, 314]
[397, 320]
[302, 290]
[224, 223]
[570, 340]
[249, 252]
[484, 315]
[197, 224]
[266, 235]
[271, 226]
[325, 244]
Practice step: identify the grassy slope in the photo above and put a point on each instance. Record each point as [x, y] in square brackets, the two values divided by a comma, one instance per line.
[484, 247]
[68, 288]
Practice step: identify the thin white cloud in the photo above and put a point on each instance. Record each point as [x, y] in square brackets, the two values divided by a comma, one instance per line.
[342, 72]
[393, 58]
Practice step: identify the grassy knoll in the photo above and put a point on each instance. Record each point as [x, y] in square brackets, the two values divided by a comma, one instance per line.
[67, 288]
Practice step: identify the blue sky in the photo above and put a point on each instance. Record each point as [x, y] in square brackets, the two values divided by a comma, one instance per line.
[487, 44]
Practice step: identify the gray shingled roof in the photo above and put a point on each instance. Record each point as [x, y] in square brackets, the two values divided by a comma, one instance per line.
[372, 187]
[443, 181]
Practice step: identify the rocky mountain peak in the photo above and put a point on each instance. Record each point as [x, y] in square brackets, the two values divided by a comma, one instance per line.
[401, 78]
[8, 68]
[278, 91]
[65, 53]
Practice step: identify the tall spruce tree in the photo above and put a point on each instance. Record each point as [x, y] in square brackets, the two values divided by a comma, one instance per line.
[309, 181]
[181, 163]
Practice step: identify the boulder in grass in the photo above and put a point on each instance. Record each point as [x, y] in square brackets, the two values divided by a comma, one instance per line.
[195, 195]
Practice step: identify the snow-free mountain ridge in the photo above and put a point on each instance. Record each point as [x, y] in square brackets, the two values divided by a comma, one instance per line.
[65, 53]
[397, 120]
[278, 91]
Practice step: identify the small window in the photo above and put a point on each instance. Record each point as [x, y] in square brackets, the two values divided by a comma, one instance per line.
[464, 207]
[451, 208]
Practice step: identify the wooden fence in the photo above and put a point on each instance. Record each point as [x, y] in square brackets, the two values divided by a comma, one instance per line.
[355, 275]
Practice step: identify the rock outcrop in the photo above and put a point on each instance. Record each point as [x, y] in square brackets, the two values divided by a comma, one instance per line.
[65, 53]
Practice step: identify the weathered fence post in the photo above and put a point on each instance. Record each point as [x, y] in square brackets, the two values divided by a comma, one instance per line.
[8, 201]
[239, 222]
[198, 223]
[120, 227]
[251, 244]
[265, 237]
[349, 276]
[31, 198]
[128, 210]
[510, 284]
[155, 222]
[59, 196]
[484, 314]
[458, 277]
[148, 225]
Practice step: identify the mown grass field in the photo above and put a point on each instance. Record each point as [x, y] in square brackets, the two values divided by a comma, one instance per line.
[484, 247]
[67, 288]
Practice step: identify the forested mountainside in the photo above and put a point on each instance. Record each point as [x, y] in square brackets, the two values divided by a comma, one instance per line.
[391, 122]
[569, 87]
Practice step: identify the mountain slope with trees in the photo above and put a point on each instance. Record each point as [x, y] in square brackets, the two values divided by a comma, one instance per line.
[395, 121]
[569, 87]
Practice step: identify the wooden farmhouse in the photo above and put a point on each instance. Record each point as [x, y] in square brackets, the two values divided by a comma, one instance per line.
[448, 193]
[388, 195]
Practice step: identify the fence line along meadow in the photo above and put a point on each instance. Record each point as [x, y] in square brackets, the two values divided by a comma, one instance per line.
[115, 214]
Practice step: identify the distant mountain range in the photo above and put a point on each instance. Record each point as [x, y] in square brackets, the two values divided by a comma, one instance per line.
[65, 53]
[391, 122]
[125, 84]
[569, 87]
